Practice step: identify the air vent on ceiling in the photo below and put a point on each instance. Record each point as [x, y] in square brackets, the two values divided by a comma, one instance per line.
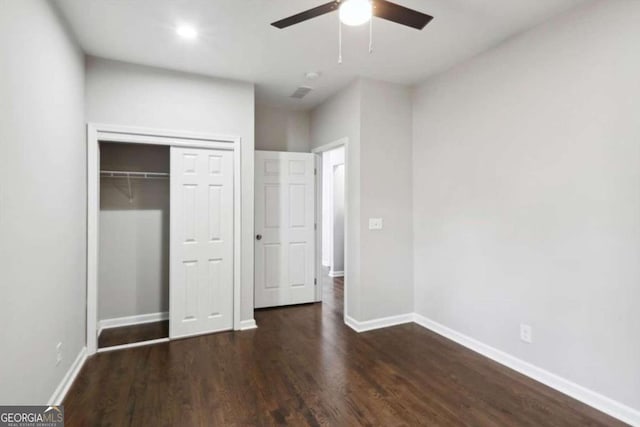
[301, 92]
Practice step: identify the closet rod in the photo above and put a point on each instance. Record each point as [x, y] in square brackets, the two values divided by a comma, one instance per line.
[133, 174]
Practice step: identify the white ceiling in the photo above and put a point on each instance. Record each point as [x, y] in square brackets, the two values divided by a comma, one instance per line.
[237, 42]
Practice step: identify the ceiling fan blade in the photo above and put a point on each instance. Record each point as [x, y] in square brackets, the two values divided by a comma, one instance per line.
[307, 14]
[400, 14]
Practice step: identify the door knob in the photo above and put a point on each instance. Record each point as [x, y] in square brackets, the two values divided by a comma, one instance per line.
[259, 237]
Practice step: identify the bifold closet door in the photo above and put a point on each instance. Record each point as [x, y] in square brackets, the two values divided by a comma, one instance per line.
[201, 278]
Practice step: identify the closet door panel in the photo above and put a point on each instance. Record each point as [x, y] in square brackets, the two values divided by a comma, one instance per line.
[201, 286]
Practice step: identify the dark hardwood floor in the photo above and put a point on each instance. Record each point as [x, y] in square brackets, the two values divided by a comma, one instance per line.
[303, 366]
[132, 334]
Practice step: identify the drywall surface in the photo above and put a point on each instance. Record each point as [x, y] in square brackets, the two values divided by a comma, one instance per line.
[333, 210]
[42, 201]
[132, 95]
[327, 216]
[337, 263]
[133, 276]
[386, 192]
[278, 129]
[376, 118]
[527, 197]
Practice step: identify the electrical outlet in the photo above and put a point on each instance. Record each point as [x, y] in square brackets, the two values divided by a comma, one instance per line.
[58, 353]
[526, 333]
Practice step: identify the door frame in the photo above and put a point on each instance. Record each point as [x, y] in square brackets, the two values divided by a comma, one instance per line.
[342, 142]
[97, 133]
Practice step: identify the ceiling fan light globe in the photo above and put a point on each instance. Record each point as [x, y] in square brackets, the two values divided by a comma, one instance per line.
[355, 12]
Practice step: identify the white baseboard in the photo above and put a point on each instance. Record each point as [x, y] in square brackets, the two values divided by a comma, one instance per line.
[132, 320]
[596, 400]
[245, 325]
[336, 273]
[383, 322]
[584, 395]
[61, 391]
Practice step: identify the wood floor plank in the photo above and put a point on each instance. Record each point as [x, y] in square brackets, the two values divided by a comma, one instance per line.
[303, 366]
[133, 334]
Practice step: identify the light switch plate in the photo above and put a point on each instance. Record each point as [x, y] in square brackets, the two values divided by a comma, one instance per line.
[375, 223]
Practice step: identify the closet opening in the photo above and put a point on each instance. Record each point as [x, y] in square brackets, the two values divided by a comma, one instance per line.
[134, 244]
[164, 236]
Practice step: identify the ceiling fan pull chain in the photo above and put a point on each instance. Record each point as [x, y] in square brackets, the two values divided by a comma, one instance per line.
[339, 41]
[371, 35]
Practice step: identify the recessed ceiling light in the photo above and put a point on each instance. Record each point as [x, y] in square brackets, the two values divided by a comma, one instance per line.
[312, 75]
[187, 32]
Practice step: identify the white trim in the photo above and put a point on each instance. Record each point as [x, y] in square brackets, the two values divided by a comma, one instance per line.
[160, 140]
[137, 135]
[336, 274]
[330, 146]
[119, 133]
[131, 320]
[246, 325]
[317, 179]
[383, 322]
[93, 227]
[578, 392]
[589, 397]
[67, 381]
[132, 345]
[237, 232]
[342, 142]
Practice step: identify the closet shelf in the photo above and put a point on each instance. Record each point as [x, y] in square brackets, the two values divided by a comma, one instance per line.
[133, 174]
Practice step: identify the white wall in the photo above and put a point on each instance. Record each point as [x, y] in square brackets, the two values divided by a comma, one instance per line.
[327, 215]
[376, 117]
[133, 276]
[279, 129]
[527, 197]
[337, 262]
[133, 95]
[333, 210]
[42, 201]
[386, 192]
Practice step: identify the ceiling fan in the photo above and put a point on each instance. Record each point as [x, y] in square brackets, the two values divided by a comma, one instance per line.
[358, 12]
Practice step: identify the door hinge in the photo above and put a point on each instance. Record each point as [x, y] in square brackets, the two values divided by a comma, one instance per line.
[315, 281]
[315, 171]
[315, 226]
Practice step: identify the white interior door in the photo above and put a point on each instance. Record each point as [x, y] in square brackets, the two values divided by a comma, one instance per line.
[201, 278]
[284, 226]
